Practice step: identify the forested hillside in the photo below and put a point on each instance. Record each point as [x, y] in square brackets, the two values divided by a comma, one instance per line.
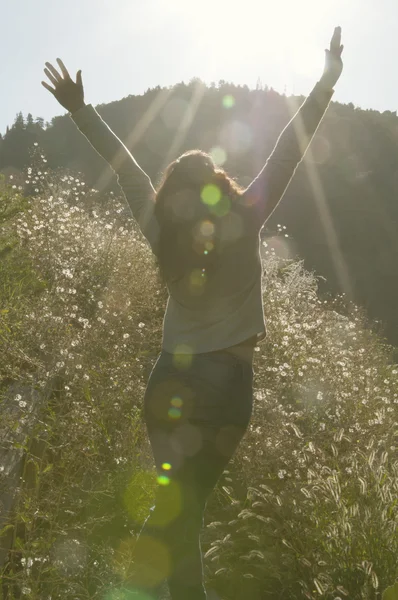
[341, 211]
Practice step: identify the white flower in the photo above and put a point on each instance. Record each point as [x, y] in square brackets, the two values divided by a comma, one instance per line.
[22, 403]
[126, 335]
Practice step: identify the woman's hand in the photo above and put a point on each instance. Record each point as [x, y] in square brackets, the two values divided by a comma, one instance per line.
[333, 62]
[68, 93]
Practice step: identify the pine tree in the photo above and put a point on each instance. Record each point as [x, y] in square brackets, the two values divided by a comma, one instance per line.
[30, 124]
[19, 122]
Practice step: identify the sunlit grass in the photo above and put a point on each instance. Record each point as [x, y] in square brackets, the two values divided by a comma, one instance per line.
[307, 508]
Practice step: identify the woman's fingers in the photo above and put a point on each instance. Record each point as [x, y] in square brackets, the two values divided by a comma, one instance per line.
[79, 78]
[64, 70]
[48, 87]
[335, 42]
[54, 72]
[51, 77]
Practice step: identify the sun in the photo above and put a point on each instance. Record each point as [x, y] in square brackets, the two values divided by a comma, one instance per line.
[282, 33]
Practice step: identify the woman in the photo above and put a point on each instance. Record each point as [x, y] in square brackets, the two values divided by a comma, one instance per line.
[204, 231]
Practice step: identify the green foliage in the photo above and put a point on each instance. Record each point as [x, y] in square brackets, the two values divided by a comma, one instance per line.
[306, 509]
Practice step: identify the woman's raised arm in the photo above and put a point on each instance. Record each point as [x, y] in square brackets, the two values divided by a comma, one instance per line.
[267, 189]
[135, 183]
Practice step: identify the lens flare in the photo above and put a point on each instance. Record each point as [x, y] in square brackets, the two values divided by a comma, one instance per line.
[207, 228]
[163, 480]
[174, 413]
[211, 194]
[222, 207]
[176, 401]
[231, 227]
[133, 593]
[166, 466]
[228, 101]
[236, 137]
[134, 498]
[197, 281]
[182, 358]
[209, 247]
[187, 440]
[152, 563]
[218, 155]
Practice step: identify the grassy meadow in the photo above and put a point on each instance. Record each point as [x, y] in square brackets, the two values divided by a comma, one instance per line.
[308, 508]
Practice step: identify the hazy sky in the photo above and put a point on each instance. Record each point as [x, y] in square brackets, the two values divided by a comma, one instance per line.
[125, 46]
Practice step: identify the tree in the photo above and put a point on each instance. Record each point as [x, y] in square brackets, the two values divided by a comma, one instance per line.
[19, 122]
[30, 124]
[39, 121]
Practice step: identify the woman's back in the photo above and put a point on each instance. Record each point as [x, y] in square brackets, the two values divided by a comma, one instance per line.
[221, 306]
[233, 271]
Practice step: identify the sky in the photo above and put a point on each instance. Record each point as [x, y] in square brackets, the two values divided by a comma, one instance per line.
[127, 46]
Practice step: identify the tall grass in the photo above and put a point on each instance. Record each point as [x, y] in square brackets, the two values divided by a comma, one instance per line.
[308, 507]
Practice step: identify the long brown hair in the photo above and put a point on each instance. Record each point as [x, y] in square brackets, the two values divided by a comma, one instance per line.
[187, 208]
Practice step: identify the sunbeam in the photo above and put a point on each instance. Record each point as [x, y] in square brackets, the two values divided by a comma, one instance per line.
[139, 130]
[324, 213]
[185, 124]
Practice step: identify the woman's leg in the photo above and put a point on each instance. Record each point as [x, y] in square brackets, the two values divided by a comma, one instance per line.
[196, 418]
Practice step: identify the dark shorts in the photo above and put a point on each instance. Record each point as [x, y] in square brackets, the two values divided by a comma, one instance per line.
[191, 400]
